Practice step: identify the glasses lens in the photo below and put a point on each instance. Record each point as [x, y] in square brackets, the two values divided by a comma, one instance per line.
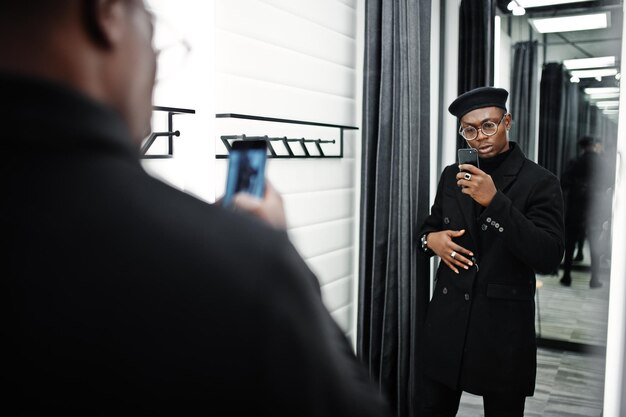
[489, 128]
[470, 133]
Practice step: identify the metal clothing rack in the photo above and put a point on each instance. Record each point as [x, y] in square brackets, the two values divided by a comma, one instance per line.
[286, 141]
[170, 133]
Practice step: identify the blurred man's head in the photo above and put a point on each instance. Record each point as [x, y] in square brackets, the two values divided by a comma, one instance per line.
[588, 144]
[102, 48]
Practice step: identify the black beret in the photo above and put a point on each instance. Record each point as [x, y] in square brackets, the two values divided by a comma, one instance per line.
[477, 99]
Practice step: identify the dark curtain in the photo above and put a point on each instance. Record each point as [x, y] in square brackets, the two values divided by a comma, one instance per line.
[570, 128]
[523, 100]
[550, 100]
[476, 40]
[393, 280]
[564, 117]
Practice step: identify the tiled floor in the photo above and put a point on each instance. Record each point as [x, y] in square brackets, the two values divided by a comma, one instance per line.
[574, 314]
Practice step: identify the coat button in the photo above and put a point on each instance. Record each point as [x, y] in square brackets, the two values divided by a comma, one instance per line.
[488, 220]
[445, 291]
[493, 223]
[467, 297]
[497, 225]
[501, 229]
[446, 220]
[483, 227]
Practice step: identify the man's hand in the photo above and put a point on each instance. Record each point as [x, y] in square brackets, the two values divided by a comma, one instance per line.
[269, 209]
[477, 184]
[452, 254]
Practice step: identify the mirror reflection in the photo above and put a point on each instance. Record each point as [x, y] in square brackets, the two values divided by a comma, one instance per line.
[575, 137]
[561, 63]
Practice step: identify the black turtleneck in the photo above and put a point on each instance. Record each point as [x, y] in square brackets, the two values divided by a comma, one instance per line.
[490, 165]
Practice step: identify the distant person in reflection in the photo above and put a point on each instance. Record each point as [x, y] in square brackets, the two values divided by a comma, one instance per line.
[122, 296]
[493, 228]
[586, 184]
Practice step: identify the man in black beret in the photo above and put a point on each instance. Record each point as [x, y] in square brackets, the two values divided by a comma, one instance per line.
[493, 227]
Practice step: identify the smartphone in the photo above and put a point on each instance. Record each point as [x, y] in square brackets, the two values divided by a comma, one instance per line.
[246, 169]
[468, 156]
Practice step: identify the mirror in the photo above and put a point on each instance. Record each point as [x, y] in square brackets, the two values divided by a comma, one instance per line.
[582, 94]
[576, 97]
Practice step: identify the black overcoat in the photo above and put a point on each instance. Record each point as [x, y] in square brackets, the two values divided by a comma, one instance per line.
[480, 330]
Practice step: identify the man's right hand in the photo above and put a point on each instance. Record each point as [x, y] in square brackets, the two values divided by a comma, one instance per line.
[452, 254]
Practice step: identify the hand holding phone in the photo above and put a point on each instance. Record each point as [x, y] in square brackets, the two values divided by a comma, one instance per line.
[246, 170]
[468, 156]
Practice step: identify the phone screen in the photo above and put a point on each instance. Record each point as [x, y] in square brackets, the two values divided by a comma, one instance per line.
[246, 169]
[468, 156]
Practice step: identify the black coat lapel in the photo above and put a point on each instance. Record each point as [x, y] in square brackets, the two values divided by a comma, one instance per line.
[506, 173]
[467, 208]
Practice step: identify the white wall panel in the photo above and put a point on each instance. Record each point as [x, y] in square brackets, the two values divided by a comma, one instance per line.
[321, 238]
[267, 62]
[236, 94]
[297, 60]
[337, 294]
[349, 3]
[330, 14]
[314, 208]
[332, 266]
[297, 33]
[343, 317]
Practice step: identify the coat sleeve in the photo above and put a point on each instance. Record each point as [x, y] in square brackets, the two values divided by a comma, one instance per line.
[535, 236]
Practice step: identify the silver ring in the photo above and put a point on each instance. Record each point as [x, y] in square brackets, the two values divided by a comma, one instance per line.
[467, 176]
[453, 254]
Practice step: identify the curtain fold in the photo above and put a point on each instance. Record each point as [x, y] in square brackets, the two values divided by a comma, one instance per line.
[393, 280]
[564, 117]
[523, 100]
[476, 47]
[550, 98]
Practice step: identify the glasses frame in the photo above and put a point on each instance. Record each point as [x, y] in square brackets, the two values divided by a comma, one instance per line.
[481, 128]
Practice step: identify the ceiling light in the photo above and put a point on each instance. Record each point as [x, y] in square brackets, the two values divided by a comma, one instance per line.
[519, 11]
[593, 73]
[607, 104]
[601, 90]
[611, 111]
[512, 5]
[571, 23]
[603, 96]
[581, 63]
[574, 80]
[542, 3]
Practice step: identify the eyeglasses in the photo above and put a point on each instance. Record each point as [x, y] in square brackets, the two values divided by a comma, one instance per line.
[488, 128]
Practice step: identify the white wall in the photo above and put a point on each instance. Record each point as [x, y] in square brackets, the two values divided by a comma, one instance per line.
[192, 86]
[298, 60]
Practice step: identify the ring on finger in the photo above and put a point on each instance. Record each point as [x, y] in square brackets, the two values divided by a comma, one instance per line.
[467, 176]
[453, 254]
